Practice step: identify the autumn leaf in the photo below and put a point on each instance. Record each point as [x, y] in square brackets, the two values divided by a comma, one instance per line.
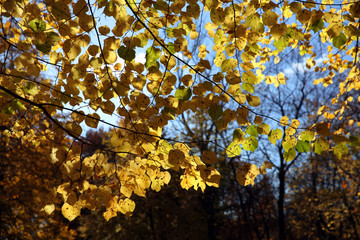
[247, 173]
[158, 71]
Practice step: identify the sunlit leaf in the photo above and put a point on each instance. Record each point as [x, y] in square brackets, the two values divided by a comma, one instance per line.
[233, 150]
[321, 145]
[275, 135]
[340, 150]
[252, 131]
[250, 144]
[37, 25]
[289, 155]
[247, 173]
[302, 146]
[183, 93]
[152, 57]
[266, 165]
[339, 40]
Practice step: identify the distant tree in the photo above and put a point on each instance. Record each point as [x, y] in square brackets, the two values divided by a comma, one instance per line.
[28, 180]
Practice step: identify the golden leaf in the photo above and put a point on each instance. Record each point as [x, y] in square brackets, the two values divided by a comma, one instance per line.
[247, 173]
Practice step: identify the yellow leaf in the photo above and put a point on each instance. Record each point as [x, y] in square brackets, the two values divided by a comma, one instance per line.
[49, 208]
[93, 50]
[110, 57]
[264, 166]
[126, 206]
[276, 59]
[253, 101]
[71, 211]
[232, 77]
[247, 173]
[187, 181]
[210, 175]
[217, 16]
[284, 121]
[219, 59]
[278, 30]
[194, 35]
[55, 57]
[73, 51]
[58, 154]
[269, 18]
[126, 189]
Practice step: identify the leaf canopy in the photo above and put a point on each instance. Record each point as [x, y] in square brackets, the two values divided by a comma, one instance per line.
[150, 62]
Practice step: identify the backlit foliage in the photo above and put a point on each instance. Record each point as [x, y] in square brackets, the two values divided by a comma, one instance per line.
[78, 61]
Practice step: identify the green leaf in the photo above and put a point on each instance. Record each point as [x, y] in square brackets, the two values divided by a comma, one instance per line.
[43, 47]
[215, 112]
[128, 54]
[250, 144]
[248, 87]
[317, 25]
[340, 150]
[252, 130]
[183, 93]
[321, 145]
[339, 40]
[37, 25]
[254, 48]
[170, 32]
[294, 33]
[17, 104]
[354, 141]
[288, 142]
[152, 56]
[171, 48]
[308, 135]
[275, 135]
[30, 88]
[280, 44]
[228, 64]
[302, 146]
[289, 155]
[233, 150]
[143, 40]
[9, 110]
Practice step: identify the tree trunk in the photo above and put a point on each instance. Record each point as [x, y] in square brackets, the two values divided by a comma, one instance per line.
[281, 201]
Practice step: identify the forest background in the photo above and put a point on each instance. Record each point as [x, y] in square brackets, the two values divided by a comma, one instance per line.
[222, 119]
